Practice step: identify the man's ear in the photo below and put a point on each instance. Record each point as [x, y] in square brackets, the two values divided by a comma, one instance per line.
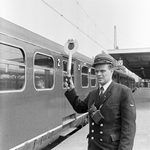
[112, 70]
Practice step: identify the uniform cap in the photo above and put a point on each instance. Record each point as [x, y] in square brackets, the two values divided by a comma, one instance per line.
[103, 59]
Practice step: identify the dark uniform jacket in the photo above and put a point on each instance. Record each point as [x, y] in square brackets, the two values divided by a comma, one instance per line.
[117, 130]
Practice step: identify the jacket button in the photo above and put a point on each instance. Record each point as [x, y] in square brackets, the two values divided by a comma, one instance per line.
[101, 132]
[101, 125]
[92, 138]
[92, 123]
[101, 140]
[92, 131]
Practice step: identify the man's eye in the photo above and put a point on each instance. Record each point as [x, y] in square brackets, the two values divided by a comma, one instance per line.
[102, 71]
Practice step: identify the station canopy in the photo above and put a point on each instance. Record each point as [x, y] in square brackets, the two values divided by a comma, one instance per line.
[136, 60]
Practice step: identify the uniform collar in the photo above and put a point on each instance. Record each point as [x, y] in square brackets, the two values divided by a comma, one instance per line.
[106, 85]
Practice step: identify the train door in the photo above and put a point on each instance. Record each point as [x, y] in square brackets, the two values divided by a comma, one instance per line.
[68, 112]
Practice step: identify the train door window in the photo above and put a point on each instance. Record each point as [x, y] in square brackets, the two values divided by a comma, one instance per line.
[120, 79]
[93, 77]
[84, 76]
[12, 68]
[65, 74]
[43, 71]
[115, 77]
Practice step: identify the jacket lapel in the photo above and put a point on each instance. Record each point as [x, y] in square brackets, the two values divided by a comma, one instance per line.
[96, 97]
[108, 92]
[106, 95]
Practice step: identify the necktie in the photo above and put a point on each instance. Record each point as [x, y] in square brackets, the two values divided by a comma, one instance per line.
[99, 101]
[101, 90]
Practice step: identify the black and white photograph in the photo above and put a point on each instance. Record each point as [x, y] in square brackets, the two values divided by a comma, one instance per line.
[74, 75]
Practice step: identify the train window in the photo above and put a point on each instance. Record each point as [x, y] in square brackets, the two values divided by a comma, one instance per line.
[85, 76]
[65, 64]
[12, 68]
[93, 77]
[43, 71]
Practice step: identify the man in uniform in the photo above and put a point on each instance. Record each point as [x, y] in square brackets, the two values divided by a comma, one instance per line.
[111, 107]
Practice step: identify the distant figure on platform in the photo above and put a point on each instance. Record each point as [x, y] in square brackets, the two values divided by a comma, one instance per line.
[111, 108]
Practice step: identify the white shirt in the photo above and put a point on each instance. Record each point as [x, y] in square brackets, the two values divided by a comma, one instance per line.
[106, 86]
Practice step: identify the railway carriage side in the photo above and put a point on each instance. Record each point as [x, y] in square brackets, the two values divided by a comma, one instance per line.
[121, 77]
[26, 109]
[34, 111]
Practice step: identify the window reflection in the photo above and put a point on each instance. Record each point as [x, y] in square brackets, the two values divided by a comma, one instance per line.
[12, 68]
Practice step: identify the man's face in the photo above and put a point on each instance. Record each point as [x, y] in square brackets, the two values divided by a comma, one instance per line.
[104, 73]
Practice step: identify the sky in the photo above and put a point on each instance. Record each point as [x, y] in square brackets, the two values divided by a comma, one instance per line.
[90, 22]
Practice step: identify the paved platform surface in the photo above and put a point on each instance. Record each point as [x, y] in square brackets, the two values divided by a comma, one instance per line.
[142, 138]
[78, 140]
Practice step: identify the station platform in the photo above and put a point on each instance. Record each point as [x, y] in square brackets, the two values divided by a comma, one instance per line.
[142, 137]
[78, 141]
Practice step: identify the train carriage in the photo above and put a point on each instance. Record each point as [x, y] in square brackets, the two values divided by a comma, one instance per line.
[33, 109]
